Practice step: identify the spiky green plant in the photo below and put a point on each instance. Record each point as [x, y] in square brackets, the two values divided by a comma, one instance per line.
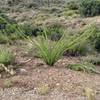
[51, 52]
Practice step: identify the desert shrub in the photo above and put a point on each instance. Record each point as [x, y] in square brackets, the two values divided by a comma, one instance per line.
[72, 5]
[91, 46]
[0, 11]
[55, 9]
[14, 36]
[30, 30]
[5, 19]
[95, 40]
[14, 31]
[13, 2]
[81, 49]
[85, 47]
[6, 56]
[3, 38]
[42, 16]
[92, 59]
[51, 52]
[87, 67]
[32, 4]
[97, 44]
[7, 28]
[70, 13]
[10, 28]
[89, 7]
[10, 2]
[49, 3]
[57, 2]
[50, 10]
[53, 32]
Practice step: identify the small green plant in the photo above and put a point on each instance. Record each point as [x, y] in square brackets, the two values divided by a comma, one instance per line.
[87, 67]
[89, 7]
[6, 56]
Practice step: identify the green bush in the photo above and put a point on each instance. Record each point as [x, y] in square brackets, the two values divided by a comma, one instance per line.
[10, 28]
[51, 10]
[13, 2]
[32, 5]
[89, 7]
[30, 30]
[7, 28]
[14, 36]
[72, 5]
[92, 59]
[95, 39]
[6, 56]
[13, 31]
[97, 44]
[80, 49]
[70, 13]
[6, 19]
[86, 47]
[3, 38]
[53, 32]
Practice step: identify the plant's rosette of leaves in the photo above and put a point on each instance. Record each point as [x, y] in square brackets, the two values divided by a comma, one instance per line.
[51, 53]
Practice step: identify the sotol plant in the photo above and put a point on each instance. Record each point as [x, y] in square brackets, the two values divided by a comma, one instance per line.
[51, 52]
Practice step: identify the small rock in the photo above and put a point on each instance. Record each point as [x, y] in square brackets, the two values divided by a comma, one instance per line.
[63, 63]
[23, 71]
[57, 84]
[12, 72]
[0, 75]
[38, 71]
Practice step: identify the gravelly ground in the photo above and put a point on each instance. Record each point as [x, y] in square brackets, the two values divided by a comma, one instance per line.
[16, 94]
[63, 83]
